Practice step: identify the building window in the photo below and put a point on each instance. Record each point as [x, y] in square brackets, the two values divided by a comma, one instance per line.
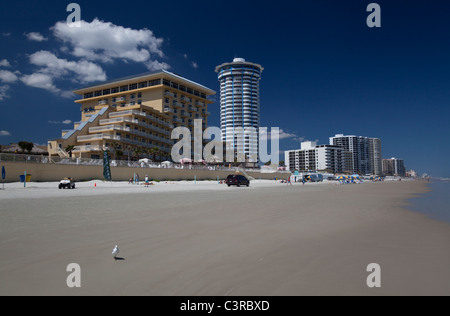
[133, 86]
[143, 84]
[140, 95]
[155, 82]
[123, 88]
[115, 90]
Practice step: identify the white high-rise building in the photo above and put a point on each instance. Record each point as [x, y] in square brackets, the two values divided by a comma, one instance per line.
[313, 157]
[240, 107]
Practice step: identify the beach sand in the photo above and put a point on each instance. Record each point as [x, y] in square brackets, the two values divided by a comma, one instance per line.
[208, 239]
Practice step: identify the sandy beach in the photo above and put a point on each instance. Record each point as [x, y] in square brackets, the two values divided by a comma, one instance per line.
[208, 239]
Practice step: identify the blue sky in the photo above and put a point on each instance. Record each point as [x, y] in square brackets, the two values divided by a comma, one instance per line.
[325, 73]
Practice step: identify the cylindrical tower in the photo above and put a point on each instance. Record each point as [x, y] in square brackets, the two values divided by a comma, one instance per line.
[239, 103]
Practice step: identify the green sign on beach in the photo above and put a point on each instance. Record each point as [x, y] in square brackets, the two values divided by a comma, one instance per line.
[106, 166]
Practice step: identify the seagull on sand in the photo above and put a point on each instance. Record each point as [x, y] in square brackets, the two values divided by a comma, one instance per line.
[115, 252]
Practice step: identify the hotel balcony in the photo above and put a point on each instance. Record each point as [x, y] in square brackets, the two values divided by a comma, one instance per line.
[108, 128]
[178, 104]
[168, 110]
[101, 136]
[199, 103]
[169, 94]
[87, 148]
[118, 120]
[178, 120]
[103, 102]
[185, 99]
[192, 109]
[141, 114]
[121, 99]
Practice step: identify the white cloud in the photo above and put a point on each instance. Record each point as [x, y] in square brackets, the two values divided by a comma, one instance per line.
[105, 42]
[36, 37]
[4, 63]
[3, 92]
[6, 34]
[86, 71]
[5, 133]
[7, 76]
[65, 122]
[283, 135]
[40, 80]
[156, 65]
[194, 65]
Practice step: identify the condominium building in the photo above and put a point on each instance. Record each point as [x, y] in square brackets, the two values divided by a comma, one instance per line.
[134, 113]
[313, 157]
[366, 152]
[375, 156]
[394, 167]
[240, 105]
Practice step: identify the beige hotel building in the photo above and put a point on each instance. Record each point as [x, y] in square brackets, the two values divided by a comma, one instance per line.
[133, 112]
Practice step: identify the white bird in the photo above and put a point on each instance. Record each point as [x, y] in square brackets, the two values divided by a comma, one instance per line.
[115, 252]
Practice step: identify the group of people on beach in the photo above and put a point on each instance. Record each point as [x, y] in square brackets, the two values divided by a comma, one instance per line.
[136, 180]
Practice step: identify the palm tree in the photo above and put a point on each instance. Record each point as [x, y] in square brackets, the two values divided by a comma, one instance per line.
[128, 149]
[154, 152]
[69, 149]
[26, 146]
[114, 146]
[137, 152]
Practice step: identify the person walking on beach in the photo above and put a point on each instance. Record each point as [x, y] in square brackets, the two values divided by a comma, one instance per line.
[147, 183]
[137, 178]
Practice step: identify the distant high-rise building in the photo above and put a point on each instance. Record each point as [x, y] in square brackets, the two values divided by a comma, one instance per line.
[313, 157]
[394, 167]
[239, 103]
[366, 152]
[375, 156]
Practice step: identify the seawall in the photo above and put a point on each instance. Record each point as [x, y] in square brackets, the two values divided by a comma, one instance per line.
[56, 172]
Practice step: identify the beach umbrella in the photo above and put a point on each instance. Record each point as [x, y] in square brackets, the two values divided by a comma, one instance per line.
[201, 161]
[213, 159]
[166, 163]
[185, 160]
[145, 160]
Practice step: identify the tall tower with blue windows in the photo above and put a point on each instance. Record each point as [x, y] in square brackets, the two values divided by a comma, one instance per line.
[239, 105]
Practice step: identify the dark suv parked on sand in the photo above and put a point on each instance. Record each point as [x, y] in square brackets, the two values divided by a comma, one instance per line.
[237, 180]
